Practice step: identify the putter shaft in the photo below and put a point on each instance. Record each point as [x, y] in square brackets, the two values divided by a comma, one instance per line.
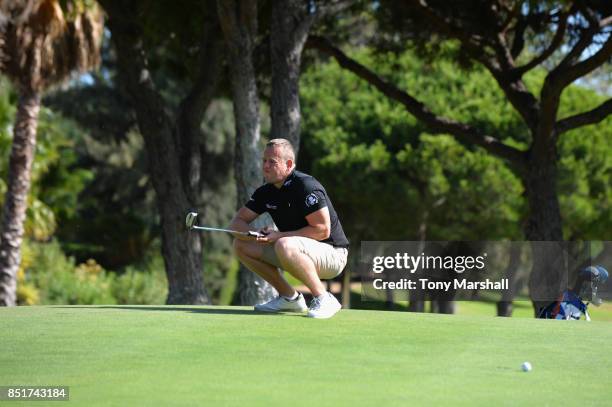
[192, 218]
[249, 233]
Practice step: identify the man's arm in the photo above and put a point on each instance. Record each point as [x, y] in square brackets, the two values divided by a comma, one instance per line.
[241, 221]
[319, 228]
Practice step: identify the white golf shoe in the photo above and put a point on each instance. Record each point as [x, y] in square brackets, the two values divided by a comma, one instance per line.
[281, 304]
[324, 306]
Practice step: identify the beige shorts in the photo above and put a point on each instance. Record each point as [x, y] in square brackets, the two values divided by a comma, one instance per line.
[329, 260]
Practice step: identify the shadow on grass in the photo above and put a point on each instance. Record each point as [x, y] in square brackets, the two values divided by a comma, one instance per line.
[209, 310]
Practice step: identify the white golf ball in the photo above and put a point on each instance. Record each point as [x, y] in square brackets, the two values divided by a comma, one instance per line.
[526, 366]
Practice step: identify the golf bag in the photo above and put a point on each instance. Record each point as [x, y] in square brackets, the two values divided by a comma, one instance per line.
[571, 305]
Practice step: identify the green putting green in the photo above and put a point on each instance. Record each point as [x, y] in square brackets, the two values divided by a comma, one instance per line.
[214, 356]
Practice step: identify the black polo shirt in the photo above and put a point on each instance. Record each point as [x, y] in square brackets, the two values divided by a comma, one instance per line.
[299, 196]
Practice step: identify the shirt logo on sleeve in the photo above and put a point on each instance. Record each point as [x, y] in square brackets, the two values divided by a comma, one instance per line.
[311, 199]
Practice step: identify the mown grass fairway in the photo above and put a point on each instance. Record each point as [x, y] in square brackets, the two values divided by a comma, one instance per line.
[209, 356]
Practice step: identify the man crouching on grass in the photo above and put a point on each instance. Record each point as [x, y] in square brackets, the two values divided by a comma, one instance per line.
[309, 244]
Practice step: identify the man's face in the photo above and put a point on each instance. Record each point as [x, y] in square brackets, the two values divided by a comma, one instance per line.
[275, 168]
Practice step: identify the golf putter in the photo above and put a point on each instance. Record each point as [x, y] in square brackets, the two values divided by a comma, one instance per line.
[192, 219]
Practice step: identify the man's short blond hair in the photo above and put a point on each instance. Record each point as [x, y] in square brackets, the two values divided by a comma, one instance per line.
[287, 151]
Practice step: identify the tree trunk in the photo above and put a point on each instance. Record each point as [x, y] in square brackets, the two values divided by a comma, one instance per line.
[544, 230]
[443, 306]
[182, 249]
[504, 305]
[417, 297]
[239, 24]
[289, 27]
[16, 199]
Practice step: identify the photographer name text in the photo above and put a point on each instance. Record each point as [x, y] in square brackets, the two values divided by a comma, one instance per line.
[427, 284]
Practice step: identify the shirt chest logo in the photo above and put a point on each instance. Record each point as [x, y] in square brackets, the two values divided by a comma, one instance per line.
[268, 206]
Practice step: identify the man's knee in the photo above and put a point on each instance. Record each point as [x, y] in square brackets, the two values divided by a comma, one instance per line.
[286, 247]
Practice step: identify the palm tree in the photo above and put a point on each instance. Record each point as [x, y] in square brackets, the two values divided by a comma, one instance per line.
[40, 48]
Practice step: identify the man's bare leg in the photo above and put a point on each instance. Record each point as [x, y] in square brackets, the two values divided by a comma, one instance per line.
[250, 254]
[299, 265]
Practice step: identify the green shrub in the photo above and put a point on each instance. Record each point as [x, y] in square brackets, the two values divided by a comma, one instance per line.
[142, 286]
[27, 293]
[60, 281]
[226, 292]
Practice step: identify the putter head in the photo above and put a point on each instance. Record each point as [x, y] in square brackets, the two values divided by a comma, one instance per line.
[191, 220]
